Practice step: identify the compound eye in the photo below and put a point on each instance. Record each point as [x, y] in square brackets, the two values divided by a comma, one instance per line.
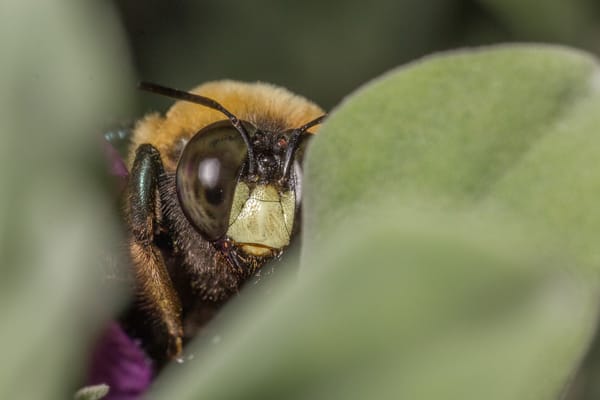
[207, 175]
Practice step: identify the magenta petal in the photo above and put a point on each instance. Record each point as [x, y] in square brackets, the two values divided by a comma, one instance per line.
[115, 162]
[116, 166]
[118, 361]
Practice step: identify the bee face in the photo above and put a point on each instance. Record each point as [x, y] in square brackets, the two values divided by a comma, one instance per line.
[239, 186]
[225, 200]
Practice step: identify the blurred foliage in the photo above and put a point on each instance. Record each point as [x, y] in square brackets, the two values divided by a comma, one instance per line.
[441, 261]
[324, 50]
[58, 81]
[515, 138]
[512, 130]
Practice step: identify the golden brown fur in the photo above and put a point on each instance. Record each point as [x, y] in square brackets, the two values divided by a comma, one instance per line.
[252, 102]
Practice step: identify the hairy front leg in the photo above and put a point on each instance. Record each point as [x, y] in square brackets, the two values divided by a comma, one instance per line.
[154, 285]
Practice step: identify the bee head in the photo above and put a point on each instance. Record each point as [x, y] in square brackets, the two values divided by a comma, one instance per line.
[238, 185]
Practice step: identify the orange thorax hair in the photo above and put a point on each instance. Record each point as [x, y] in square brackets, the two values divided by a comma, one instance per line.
[264, 105]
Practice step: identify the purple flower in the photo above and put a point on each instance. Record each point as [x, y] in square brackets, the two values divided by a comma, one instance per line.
[118, 361]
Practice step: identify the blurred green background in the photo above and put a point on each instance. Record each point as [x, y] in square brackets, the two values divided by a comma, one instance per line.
[324, 50]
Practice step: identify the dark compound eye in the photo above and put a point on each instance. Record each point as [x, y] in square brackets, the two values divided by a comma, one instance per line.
[207, 175]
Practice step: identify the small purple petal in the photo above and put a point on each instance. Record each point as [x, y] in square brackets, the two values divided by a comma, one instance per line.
[116, 165]
[118, 361]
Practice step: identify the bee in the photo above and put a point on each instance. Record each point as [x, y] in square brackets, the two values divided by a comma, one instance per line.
[213, 194]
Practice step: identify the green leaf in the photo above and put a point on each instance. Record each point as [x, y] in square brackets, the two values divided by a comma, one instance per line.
[513, 130]
[407, 307]
[559, 21]
[447, 243]
[62, 73]
[507, 136]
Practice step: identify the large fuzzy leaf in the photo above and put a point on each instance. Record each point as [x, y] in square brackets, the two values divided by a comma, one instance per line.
[448, 242]
[62, 72]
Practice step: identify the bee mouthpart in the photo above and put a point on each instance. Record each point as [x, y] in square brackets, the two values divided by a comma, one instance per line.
[258, 250]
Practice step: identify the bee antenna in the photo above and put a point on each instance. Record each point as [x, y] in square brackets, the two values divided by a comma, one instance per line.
[207, 102]
[293, 144]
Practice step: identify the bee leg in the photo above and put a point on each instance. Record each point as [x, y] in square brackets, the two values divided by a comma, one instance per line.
[154, 285]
